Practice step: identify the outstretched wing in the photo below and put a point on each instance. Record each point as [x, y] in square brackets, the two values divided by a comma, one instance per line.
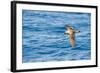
[76, 31]
[66, 32]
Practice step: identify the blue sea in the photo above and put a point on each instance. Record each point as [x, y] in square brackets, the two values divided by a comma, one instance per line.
[44, 40]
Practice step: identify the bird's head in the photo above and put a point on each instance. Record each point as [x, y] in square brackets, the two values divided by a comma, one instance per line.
[68, 27]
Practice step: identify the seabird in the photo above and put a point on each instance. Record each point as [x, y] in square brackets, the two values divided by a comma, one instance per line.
[71, 32]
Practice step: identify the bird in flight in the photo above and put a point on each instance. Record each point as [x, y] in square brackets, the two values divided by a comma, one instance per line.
[71, 32]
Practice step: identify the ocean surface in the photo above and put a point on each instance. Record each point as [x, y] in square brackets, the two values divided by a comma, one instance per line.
[44, 40]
